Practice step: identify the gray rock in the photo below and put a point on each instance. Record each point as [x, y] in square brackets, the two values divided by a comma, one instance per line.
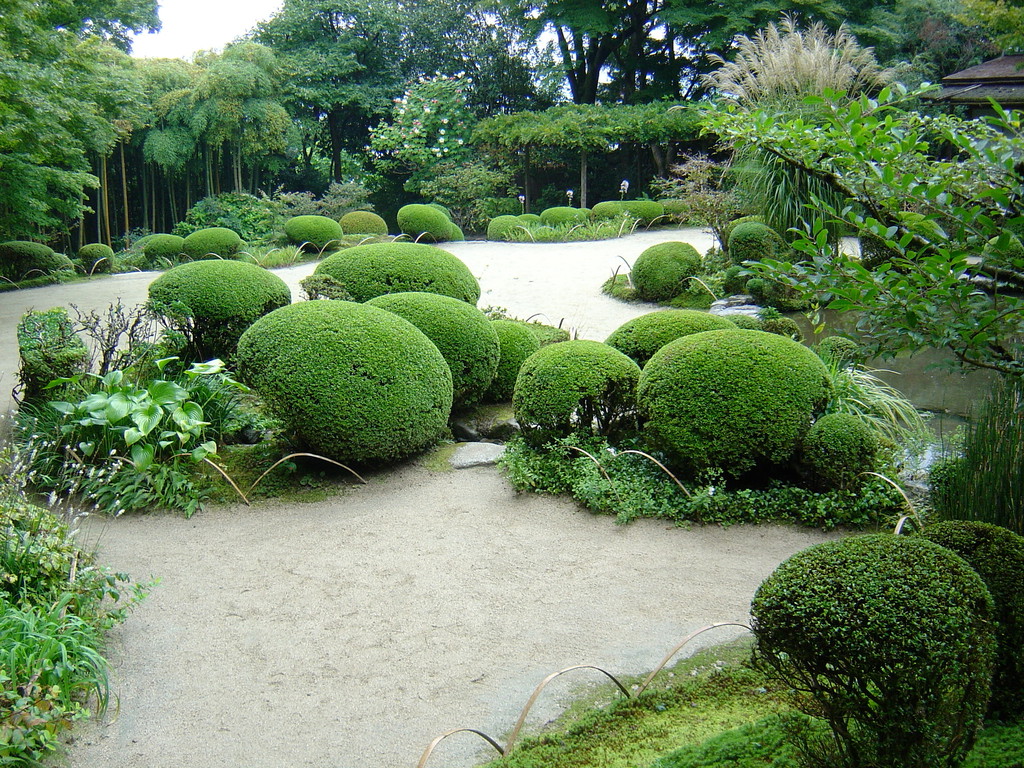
[475, 455]
[485, 422]
[740, 304]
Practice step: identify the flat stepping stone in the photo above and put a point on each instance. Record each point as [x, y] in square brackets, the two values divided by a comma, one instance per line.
[468, 455]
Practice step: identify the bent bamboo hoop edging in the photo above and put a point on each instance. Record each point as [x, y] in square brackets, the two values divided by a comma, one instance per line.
[514, 735]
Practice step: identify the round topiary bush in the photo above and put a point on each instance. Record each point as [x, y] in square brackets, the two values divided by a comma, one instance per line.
[499, 227]
[753, 241]
[734, 400]
[997, 554]
[837, 449]
[313, 233]
[734, 280]
[96, 258]
[645, 210]
[363, 223]
[891, 638]
[162, 250]
[772, 293]
[747, 322]
[563, 214]
[516, 343]
[660, 272]
[609, 209]
[783, 326]
[212, 243]
[529, 219]
[223, 299]
[455, 233]
[727, 230]
[351, 381]
[642, 336]
[462, 333]
[21, 259]
[378, 268]
[424, 222]
[575, 386]
[839, 350]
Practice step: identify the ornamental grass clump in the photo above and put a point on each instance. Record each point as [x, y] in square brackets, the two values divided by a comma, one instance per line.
[661, 272]
[731, 400]
[891, 641]
[642, 336]
[372, 270]
[349, 381]
[212, 303]
[575, 386]
[998, 557]
[460, 331]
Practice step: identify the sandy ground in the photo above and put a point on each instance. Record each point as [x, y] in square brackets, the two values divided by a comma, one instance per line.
[351, 632]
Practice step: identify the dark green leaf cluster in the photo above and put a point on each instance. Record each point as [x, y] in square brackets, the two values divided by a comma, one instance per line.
[892, 639]
[375, 269]
[49, 349]
[313, 232]
[212, 243]
[461, 332]
[253, 218]
[575, 386]
[661, 271]
[839, 350]
[642, 336]
[363, 223]
[222, 298]
[998, 556]
[350, 381]
[838, 449]
[735, 400]
[516, 343]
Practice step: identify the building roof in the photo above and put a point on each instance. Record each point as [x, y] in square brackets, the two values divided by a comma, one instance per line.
[1005, 69]
[1001, 80]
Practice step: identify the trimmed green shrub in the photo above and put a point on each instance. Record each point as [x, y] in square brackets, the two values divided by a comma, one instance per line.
[609, 209]
[500, 226]
[642, 336]
[727, 231]
[462, 333]
[575, 386]
[734, 400]
[783, 326]
[734, 281]
[424, 221]
[222, 298]
[754, 241]
[545, 334]
[771, 293]
[212, 243]
[374, 269]
[516, 343]
[660, 272]
[837, 449]
[312, 232]
[563, 214]
[678, 210]
[529, 218]
[22, 259]
[255, 219]
[49, 349]
[892, 640]
[747, 322]
[998, 556]
[645, 210]
[839, 350]
[363, 223]
[351, 382]
[438, 207]
[163, 250]
[96, 258]
[455, 234]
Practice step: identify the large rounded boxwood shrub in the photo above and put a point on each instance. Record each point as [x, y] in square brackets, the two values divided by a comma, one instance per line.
[997, 554]
[660, 272]
[645, 210]
[378, 268]
[96, 258]
[754, 241]
[499, 227]
[23, 259]
[563, 214]
[838, 449]
[351, 381]
[420, 222]
[212, 243]
[516, 343]
[363, 223]
[735, 400]
[461, 332]
[892, 639]
[642, 336]
[161, 249]
[313, 233]
[608, 209]
[223, 298]
[575, 386]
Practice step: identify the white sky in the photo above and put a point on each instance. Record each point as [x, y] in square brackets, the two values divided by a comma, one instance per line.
[197, 25]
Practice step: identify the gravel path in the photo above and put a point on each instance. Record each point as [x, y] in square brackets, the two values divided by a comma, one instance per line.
[349, 633]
